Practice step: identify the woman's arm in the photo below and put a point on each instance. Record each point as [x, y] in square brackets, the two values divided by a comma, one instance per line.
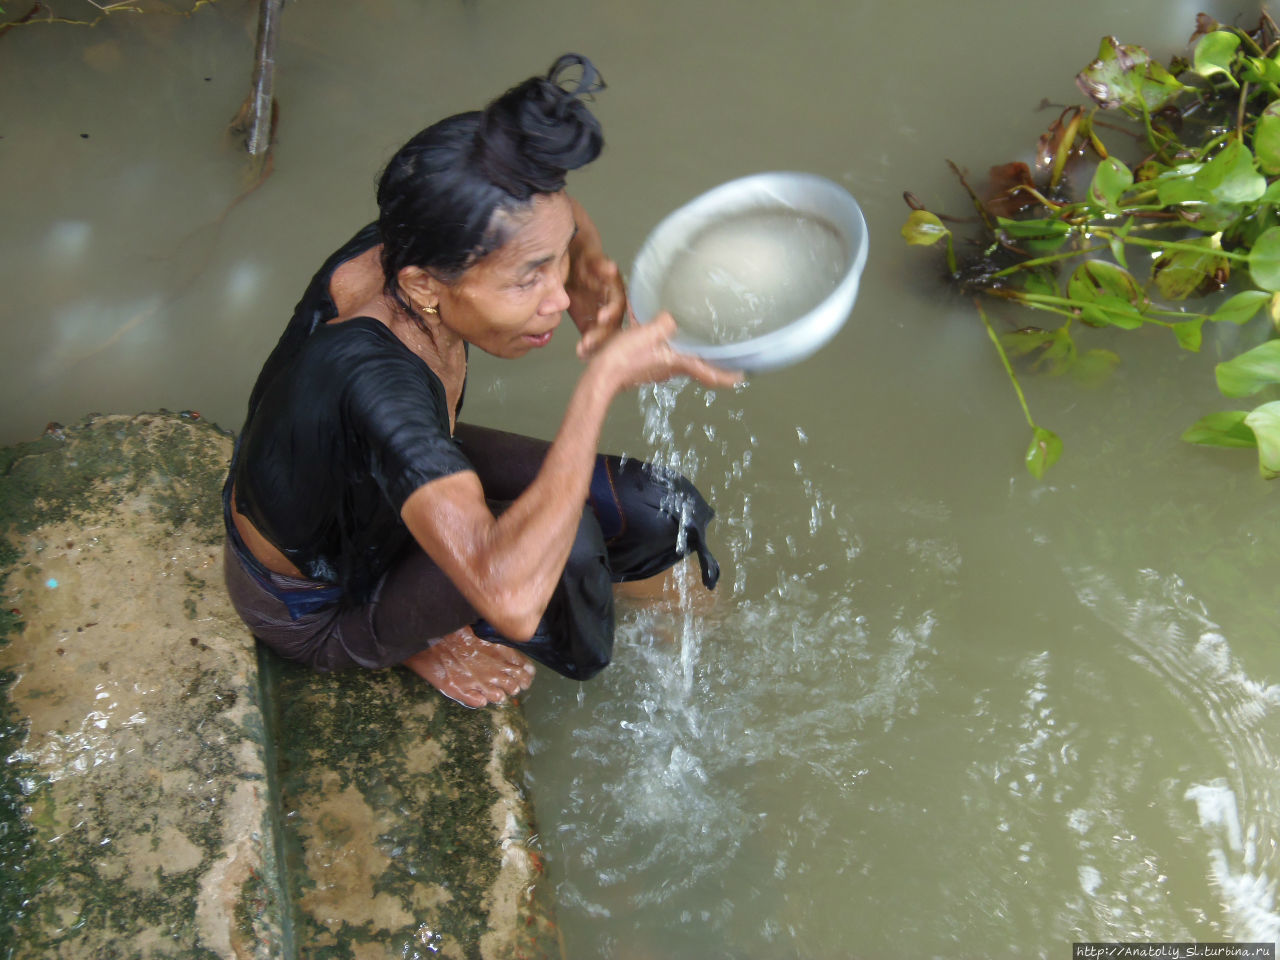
[507, 567]
[597, 296]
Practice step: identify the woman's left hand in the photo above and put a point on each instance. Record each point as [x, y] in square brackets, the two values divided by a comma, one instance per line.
[597, 295]
[597, 299]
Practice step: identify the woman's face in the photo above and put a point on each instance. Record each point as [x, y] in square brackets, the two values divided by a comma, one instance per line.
[511, 301]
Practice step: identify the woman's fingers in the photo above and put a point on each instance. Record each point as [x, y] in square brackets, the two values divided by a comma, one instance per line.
[597, 301]
[687, 364]
[646, 355]
[710, 375]
[595, 336]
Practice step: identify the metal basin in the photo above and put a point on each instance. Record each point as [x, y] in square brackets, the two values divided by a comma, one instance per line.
[812, 203]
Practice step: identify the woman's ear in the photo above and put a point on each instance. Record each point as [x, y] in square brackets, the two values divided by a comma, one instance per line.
[422, 289]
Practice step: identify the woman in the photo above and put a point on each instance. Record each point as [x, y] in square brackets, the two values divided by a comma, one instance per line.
[365, 525]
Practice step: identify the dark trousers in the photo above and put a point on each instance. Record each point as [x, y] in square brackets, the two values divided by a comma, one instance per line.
[637, 523]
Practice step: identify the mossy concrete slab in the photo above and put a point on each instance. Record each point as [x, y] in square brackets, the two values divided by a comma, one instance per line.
[135, 796]
[142, 793]
[405, 829]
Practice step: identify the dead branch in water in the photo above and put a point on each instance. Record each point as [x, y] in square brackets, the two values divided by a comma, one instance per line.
[25, 19]
[30, 19]
[256, 119]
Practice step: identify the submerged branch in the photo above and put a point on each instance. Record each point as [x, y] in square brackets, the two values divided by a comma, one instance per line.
[977, 202]
[255, 121]
[1050, 258]
[26, 18]
[30, 19]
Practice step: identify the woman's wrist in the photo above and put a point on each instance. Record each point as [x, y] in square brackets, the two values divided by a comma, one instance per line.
[600, 381]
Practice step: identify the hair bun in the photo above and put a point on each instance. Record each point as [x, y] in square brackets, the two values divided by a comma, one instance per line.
[589, 83]
[537, 131]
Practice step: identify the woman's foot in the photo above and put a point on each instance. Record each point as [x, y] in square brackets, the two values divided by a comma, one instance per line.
[472, 671]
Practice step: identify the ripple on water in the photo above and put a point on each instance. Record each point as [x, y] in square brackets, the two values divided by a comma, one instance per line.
[752, 765]
[1171, 635]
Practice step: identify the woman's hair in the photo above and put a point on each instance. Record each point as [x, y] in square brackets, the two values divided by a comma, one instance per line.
[439, 197]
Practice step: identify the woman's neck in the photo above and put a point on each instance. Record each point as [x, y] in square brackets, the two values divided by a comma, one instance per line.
[439, 347]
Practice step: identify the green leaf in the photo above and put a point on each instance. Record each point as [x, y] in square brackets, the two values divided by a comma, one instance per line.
[1190, 333]
[1210, 218]
[1125, 76]
[1033, 229]
[1117, 250]
[923, 229]
[1110, 180]
[1021, 343]
[1272, 196]
[1231, 177]
[1251, 371]
[1181, 273]
[1040, 280]
[1264, 260]
[1260, 70]
[1266, 139]
[1214, 53]
[1241, 308]
[1264, 421]
[1225, 429]
[1054, 351]
[1039, 236]
[1044, 451]
[1149, 170]
[1110, 311]
[1179, 186]
[1107, 295]
[1094, 366]
[1095, 278]
[1059, 354]
[1248, 227]
[1116, 241]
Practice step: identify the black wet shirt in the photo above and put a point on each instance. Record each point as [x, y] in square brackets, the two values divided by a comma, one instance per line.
[345, 422]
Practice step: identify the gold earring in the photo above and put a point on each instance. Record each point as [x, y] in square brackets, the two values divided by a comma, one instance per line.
[428, 311]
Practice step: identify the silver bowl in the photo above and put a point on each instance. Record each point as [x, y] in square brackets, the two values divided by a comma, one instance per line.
[789, 339]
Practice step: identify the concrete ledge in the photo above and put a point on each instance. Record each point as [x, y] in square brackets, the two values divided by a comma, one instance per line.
[141, 797]
[405, 830]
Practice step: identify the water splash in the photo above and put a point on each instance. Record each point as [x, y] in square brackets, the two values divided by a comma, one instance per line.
[1173, 636]
[715, 701]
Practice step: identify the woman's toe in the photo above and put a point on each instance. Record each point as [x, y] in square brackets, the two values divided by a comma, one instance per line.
[511, 683]
[468, 697]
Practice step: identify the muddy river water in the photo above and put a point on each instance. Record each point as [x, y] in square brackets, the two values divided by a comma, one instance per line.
[936, 707]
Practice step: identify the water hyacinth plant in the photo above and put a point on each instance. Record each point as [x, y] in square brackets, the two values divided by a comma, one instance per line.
[1190, 198]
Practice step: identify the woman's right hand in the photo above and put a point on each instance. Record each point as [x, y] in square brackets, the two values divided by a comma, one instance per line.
[642, 353]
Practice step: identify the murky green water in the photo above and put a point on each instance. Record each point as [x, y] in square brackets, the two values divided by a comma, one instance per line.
[936, 708]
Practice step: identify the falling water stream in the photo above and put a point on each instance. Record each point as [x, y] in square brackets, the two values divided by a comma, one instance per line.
[934, 707]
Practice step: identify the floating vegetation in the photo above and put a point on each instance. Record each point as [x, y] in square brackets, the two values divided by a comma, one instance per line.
[1188, 197]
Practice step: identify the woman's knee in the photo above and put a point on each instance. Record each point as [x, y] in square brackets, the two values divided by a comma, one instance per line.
[588, 557]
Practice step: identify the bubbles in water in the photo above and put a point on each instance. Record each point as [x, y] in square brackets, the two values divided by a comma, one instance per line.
[753, 273]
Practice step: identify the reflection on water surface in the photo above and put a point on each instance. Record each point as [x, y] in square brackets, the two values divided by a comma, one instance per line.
[935, 707]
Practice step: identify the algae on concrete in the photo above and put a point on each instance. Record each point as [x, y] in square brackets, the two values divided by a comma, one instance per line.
[140, 801]
[135, 777]
[404, 835]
